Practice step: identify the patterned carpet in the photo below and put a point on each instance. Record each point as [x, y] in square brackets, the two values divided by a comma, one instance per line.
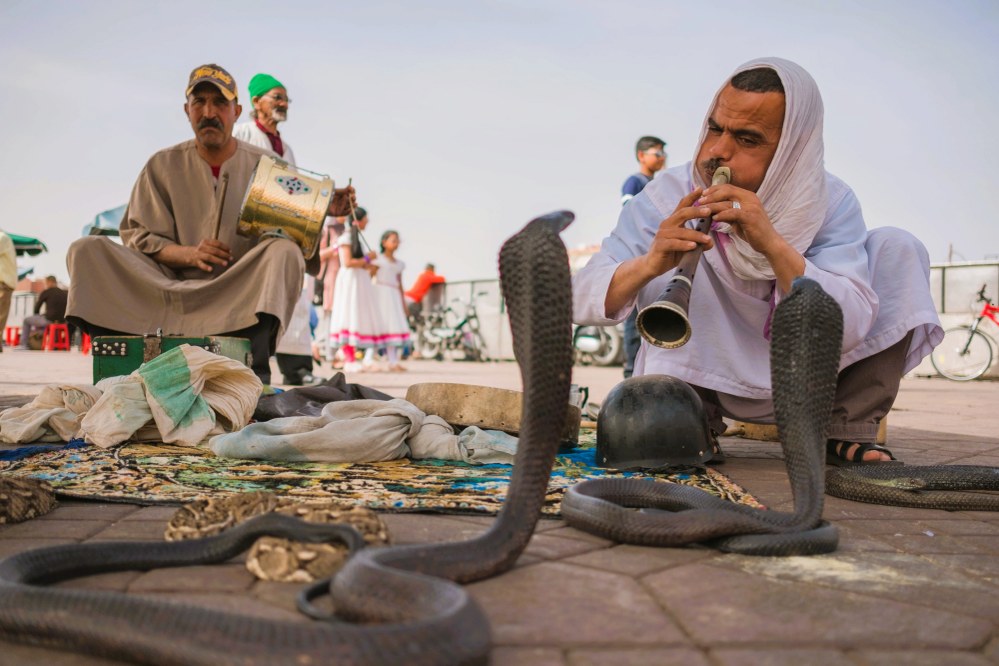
[166, 474]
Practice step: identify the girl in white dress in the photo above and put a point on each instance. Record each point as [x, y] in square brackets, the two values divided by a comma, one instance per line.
[391, 300]
[354, 321]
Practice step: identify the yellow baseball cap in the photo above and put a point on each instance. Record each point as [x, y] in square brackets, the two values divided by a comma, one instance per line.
[215, 75]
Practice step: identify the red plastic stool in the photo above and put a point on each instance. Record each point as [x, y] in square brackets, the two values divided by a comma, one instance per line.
[84, 343]
[12, 336]
[56, 337]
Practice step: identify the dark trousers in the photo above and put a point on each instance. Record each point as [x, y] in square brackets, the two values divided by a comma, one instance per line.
[263, 342]
[30, 325]
[632, 341]
[294, 367]
[865, 392]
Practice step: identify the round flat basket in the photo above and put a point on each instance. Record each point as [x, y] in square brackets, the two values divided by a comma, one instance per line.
[489, 408]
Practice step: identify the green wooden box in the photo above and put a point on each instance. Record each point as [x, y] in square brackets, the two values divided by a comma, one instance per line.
[123, 354]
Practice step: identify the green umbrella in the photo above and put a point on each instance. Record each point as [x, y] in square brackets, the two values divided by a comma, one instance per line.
[27, 245]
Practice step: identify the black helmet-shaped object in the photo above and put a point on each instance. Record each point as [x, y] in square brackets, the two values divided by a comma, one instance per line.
[652, 421]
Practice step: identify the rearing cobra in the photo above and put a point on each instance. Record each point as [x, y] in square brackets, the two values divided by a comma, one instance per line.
[804, 358]
[406, 601]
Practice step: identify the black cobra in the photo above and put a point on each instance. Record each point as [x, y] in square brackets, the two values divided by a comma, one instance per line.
[406, 601]
[947, 487]
[804, 359]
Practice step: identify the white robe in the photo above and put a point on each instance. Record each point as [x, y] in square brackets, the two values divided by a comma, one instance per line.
[253, 135]
[879, 278]
[297, 337]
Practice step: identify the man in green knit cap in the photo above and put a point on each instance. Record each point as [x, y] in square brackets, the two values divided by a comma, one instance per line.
[270, 107]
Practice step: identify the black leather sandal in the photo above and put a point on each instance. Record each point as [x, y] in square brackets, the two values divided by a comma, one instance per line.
[717, 455]
[836, 453]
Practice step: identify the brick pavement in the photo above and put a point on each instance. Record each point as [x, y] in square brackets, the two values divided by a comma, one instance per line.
[906, 586]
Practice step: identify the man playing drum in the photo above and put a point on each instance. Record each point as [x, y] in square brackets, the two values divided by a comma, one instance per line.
[782, 216]
[171, 274]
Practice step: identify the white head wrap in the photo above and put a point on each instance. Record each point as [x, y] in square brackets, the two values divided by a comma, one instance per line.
[793, 192]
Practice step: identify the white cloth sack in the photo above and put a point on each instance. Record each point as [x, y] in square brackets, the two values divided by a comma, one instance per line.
[182, 396]
[53, 416]
[364, 431]
[297, 336]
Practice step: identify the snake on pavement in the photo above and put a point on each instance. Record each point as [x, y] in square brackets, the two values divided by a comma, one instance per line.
[944, 487]
[804, 359]
[405, 603]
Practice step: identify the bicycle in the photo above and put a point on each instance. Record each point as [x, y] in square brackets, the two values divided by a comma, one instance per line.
[436, 335]
[965, 353]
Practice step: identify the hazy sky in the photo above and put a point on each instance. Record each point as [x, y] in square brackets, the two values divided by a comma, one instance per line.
[459, 121]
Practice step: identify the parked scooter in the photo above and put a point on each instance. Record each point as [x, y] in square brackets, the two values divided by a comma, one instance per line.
[598, 345]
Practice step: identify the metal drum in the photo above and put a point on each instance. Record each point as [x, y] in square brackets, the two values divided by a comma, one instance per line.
[286, 201]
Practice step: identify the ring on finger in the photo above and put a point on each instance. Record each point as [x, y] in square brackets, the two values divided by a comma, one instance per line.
[736, 205]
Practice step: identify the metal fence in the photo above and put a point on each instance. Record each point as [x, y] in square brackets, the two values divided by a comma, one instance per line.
[954, 287]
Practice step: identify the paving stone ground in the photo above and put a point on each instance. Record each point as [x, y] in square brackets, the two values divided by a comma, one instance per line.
[907, 586]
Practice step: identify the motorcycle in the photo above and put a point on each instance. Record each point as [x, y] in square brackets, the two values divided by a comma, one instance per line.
[598, 345]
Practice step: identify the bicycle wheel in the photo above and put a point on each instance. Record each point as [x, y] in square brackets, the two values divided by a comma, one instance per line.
[612, 349]
[473, 347]
[428, 347]
[482, 352]
[963, 354]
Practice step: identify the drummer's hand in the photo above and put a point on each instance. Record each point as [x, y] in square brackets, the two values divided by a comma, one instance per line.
[208, 253]
[344, 199]
[204, 255]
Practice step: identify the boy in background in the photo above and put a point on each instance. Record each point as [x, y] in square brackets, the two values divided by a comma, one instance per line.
[650, 151]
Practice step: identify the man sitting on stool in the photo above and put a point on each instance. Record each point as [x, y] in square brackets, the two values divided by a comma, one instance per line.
[171, 274]
[53, 300]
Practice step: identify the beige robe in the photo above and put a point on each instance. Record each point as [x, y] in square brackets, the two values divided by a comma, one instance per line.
[173, 202]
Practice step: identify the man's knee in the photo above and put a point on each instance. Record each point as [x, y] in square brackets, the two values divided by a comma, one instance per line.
[88, 246]
[894, 242]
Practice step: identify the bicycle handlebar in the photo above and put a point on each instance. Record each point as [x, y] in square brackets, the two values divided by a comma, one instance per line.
[982, 296]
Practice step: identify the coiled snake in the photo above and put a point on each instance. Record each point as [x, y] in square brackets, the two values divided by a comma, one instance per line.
[412, 611]
[804, 359]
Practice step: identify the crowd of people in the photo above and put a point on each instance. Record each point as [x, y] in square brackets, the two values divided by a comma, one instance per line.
[183, 279]
[781, 217]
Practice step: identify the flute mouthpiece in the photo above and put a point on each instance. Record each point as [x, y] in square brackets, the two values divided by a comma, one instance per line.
[722, 176]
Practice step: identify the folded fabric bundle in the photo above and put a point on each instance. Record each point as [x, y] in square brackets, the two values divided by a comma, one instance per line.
[364, 431]
[53, 416]
[310, 400]
[182, 396]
